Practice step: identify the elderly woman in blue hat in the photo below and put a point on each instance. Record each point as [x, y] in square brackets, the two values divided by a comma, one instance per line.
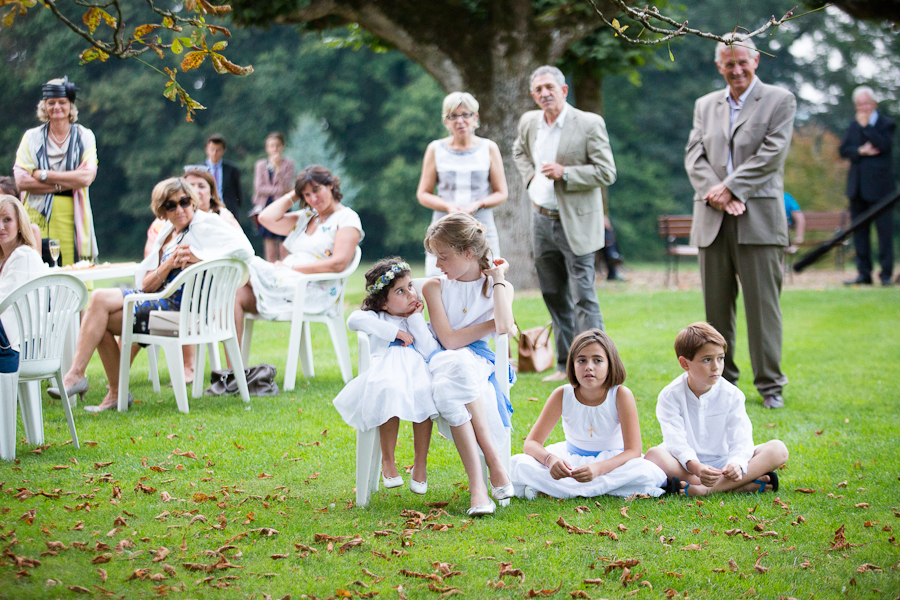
[55, 164]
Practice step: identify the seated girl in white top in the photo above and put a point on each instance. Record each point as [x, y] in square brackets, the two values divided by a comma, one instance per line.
[20, 262]
[602, 451]
[397, 384]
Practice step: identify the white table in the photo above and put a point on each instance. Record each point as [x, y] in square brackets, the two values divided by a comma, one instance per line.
[35, 432]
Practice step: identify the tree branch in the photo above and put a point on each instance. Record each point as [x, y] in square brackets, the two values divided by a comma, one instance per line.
[646, 16]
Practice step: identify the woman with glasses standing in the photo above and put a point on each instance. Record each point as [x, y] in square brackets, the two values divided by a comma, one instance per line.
[189, 236]
[55, 164]
[467, 171]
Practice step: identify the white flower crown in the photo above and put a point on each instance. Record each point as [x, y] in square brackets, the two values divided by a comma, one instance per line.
[387, 278]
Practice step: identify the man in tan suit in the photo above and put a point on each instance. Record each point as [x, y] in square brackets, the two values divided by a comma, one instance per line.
[735, 160]
[564, 157]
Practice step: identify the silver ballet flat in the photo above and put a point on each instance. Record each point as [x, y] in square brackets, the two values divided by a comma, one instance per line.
[502, 492]
[482, 509]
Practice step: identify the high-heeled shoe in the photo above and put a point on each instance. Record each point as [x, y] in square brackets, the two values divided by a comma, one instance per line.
[391, 482]
[482, 509]
[418, 487]
[503, 492]
[101, 408]
[79, 388]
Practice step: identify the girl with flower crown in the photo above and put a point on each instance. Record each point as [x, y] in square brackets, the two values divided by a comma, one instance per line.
[398, 384]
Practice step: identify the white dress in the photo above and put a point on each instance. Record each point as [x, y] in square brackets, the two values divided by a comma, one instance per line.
[274, 286]
[397, 383]
[597, 432]
[461, 376]
[21, 266]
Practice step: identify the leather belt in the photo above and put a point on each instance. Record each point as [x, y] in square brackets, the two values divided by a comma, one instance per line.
[550, 214]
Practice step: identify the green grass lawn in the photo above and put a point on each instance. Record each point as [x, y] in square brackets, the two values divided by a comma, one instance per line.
[154, 499]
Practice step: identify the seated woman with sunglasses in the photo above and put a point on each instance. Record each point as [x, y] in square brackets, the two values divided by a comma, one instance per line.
[189, 236]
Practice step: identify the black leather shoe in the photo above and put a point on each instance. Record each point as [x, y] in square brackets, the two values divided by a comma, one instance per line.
[859, 281]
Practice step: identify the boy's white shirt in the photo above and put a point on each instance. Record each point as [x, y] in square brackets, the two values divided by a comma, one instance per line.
[714, 425]
[383, 327]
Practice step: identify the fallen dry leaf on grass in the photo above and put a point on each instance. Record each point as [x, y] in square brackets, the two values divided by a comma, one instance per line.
[805, 490]
[543, 593]
[572, 528]
[507, 569]
[188, 454]
[862, 505]
[597, 581]
[670, 593]
[431, 576]
[693, 547]
[732, 565]
[840, 542]
[624, 512]
[864, 568]
[580, 594]
[759, 568]
[357, 541]
[622, 564]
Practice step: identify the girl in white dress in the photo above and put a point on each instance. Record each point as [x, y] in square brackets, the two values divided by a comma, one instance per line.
[397, 384]
[471, 301]
[602, 451]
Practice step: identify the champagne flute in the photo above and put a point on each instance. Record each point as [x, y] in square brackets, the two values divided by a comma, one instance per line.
[54, 250]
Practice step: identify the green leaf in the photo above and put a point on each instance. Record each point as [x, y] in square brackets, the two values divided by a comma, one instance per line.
[220, 45]
[177, 48]
[671, 56]
[93, 54]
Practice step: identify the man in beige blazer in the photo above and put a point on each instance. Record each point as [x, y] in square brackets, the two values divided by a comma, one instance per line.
[735, 161]
[564, 157]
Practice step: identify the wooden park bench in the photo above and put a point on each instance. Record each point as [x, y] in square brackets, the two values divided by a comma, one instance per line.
[672, 228]
[675, 227]
[827, 223]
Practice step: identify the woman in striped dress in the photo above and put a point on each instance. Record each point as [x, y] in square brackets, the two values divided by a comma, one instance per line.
[462, 173]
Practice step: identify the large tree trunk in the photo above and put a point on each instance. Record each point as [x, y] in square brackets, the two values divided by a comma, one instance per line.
[489, 52]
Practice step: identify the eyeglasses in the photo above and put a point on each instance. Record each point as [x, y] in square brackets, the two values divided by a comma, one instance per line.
[203, 168]
[171, 205]
[455, 116]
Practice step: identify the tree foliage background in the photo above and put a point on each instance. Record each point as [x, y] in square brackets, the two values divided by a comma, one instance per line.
[378, 110]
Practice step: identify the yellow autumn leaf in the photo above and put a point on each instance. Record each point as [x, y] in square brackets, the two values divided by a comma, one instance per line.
[91, 18]
[192, 60]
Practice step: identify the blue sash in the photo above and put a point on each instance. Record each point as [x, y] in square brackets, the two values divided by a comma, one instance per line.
[573, 449]
[504, 406]
[399, 343]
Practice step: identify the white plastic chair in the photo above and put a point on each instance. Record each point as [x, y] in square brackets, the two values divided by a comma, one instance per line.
[43, 308]
[368, 443]
[300, 342]
[206, 317]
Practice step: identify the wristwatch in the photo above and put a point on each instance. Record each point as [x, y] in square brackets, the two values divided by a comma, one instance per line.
[565, 176]
[44, 175]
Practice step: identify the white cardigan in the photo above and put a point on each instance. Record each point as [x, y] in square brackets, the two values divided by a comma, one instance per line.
[382, 328]
[23, 265]
[209, 237]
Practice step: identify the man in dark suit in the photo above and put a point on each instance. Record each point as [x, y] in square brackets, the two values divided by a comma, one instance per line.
[868, 145]
[735, 161]
[226, 174]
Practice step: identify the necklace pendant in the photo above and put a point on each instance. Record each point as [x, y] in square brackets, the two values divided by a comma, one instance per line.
[465, 311]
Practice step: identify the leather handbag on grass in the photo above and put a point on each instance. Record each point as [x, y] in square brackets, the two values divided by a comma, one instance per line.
[260, 381]
[535, 350]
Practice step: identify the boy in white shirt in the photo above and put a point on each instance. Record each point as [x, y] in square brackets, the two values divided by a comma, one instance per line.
[707, 436]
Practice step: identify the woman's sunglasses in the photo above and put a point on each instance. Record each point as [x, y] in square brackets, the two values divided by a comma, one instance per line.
[171, 205]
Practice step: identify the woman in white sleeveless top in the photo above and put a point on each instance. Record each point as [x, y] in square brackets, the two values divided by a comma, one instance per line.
[466, 170]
